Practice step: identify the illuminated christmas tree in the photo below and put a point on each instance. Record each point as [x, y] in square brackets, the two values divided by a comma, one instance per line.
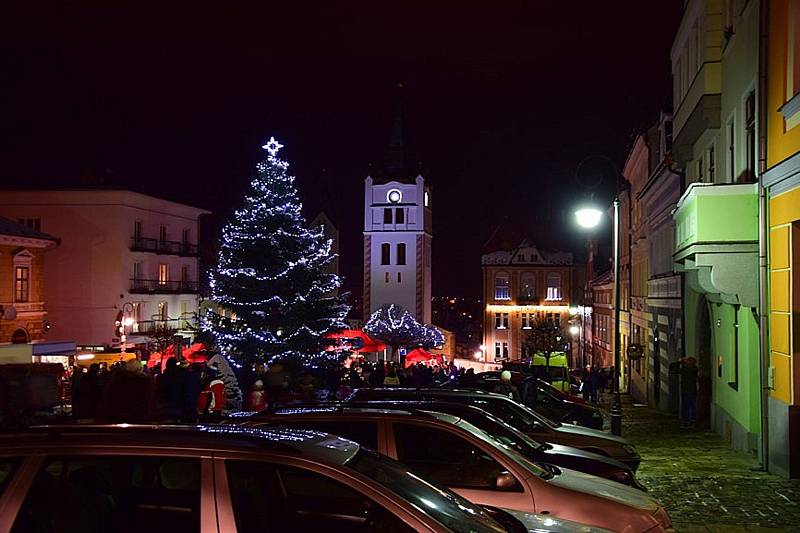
[274, 298]
[395, 326]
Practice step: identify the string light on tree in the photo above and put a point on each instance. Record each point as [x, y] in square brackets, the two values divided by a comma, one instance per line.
[275, 299]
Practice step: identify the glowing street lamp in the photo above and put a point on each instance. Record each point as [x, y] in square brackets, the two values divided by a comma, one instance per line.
[574, 330]
[588, 217]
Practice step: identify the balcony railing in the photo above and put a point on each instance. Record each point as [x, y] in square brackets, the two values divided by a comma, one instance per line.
[148, 244]
[150, 327]
[154, 286]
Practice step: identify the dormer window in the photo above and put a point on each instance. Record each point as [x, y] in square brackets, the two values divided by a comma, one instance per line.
[521, 258]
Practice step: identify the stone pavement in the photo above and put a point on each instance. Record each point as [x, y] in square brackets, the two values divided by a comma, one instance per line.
[706, 486]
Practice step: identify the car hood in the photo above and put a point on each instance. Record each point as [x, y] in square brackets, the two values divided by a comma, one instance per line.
[575, 481]
[537, 523]
[577, 453]
[588, 432]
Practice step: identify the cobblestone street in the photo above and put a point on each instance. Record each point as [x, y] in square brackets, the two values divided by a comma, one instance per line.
[704, 484]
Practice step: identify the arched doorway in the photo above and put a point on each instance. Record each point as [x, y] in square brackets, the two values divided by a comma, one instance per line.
[20, 336]
[705, 363]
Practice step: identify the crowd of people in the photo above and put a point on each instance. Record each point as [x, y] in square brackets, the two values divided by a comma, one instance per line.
[130, 392]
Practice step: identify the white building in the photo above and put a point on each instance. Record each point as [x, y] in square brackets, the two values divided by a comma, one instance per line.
[397, 246]
[120, 251]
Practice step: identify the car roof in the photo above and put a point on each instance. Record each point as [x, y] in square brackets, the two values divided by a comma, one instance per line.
[387, 392]
[314, 444]
[345, 410]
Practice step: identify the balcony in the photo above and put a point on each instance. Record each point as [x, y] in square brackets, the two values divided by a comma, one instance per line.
[154, 286]
[157, 246]
[151, 327]
[698, 111]
[717, 241]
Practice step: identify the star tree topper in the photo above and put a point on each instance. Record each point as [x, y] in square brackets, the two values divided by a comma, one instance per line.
[272, 146]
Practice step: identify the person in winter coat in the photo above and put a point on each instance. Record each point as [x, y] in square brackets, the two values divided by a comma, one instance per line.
[505, 387]
[212, 399]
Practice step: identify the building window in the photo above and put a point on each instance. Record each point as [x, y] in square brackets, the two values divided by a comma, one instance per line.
[31, 223]
[185, 275]
[427, 198]
[137, 231]
[385, 253]
[137, 272]
[731, 151]
[399, 216]
[553, 286]
[711, 163]
[162, 233]
[387, 215]
[700, 169]
[501, 321]
[386, 277]
[22, 283]
[163, 273]
[497, 351]
[527, 320]
[162, 311]
[750, 132]
[184, 314]
[505, 350]
[186, 237]
[401, 253]
[399, 277]
[501, 291]
[527, 286]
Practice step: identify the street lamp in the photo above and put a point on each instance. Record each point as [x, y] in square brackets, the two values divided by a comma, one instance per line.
[589, 217]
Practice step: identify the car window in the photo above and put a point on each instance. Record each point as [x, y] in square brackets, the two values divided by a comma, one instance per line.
[269, 498]
[445, 458]
[7, 468]
[85, 494]
[364, 433]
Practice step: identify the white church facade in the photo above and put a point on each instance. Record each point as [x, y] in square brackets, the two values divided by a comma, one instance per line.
[397, 246]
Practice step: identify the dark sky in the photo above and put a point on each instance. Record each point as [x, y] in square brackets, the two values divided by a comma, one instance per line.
[502, 99]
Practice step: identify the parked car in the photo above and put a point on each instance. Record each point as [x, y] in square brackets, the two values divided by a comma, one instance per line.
[539, 396]
[555, 454]
[452, 452]
[224, 479]
[518, 416]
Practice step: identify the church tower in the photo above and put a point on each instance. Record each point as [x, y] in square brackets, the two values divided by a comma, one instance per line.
[397, 236]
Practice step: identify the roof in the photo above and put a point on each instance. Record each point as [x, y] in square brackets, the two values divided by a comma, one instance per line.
[315, 444]
[15, 229]
[527, 254]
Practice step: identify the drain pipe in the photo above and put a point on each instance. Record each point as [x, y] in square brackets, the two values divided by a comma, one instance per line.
[763, 234]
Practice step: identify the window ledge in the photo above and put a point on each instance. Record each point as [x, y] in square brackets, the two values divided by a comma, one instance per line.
[790, 108]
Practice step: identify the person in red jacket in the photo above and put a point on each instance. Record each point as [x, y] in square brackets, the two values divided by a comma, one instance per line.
[212, 399]
[258, 398]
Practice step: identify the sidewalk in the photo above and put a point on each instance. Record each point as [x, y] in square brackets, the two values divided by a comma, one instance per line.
[706, 486]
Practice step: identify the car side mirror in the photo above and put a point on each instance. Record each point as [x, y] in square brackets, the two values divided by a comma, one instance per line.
[505, 481]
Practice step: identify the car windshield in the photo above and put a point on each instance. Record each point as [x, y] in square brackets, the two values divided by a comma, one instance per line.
[444, 506]
[512, 413]
[515, 456]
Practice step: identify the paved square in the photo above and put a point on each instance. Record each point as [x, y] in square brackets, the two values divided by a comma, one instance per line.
[704, 484]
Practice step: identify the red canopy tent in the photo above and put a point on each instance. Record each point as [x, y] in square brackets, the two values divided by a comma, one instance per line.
[346, 341]
[420, 355]
[196, 353]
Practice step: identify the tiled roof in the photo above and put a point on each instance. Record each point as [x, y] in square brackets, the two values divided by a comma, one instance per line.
[15, 229]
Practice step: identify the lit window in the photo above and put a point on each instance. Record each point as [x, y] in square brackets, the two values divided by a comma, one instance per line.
[427, 199]
[22, 283]
[501, 320]
[501, 291]
[162, 311]
[553, 286]
[163, 273]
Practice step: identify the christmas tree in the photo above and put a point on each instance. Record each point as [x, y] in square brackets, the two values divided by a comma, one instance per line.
[274, 298]
[393, 325]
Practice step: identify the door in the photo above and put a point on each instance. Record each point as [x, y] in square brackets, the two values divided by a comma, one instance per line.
[119, 493]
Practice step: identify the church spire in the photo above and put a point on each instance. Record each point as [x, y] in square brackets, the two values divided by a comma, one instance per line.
[398, 161]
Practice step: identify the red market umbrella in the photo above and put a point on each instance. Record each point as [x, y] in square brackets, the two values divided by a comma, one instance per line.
[356, 341]
[420, 355]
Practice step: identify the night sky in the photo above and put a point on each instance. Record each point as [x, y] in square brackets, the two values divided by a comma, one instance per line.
[502, 101]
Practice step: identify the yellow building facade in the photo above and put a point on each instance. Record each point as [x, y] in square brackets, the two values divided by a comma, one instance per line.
[782, 185]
